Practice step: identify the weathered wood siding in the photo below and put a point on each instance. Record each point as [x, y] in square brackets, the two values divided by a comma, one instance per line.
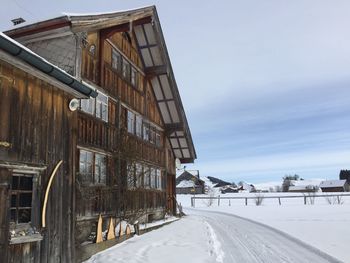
[36, 121]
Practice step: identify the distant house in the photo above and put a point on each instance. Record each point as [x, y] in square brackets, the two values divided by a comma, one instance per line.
[187, 183]
[335, 186]
[345, 175]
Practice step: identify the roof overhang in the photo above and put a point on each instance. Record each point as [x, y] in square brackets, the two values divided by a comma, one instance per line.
[18, 55]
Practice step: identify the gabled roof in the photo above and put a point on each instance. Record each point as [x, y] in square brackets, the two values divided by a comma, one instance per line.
[187, 176]
[152, 48]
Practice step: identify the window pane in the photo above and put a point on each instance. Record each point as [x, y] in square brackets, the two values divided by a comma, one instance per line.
[13, 200]
[85, 166]
[145, 132]
[131, 176]
[105, 112]
[159, 179]
[131, 122]
[88, 105]
[25, 199]
[152, 136]
[139, 175]
[100, 169]
[158, 141]
[116, 58]
[126, 70]
[26, 183]
[24, 215]
[133, 77]
[153, 178]
[15, 182]
[13, 217]
[146, 177]
[138, 126]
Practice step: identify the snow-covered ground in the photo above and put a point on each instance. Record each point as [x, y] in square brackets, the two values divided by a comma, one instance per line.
[233, 232]
[321, 225]
[190, 239]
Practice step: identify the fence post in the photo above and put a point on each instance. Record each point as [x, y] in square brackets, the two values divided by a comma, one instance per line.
[246, 201]
[304, 200]
[279, 200]
[229, 202]
[219, 200]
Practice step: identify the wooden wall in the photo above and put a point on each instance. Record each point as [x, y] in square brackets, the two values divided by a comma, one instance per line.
[36, 121]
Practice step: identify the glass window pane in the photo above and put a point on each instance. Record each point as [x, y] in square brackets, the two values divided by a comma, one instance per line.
[26, 183]
[116, 58]
[25, 199]
[15, 182]
[13, 217]
[13, 200]
[24, 215]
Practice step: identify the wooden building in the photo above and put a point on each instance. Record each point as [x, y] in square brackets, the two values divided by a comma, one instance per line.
[187, 183]
[117, 150]
[335, 186]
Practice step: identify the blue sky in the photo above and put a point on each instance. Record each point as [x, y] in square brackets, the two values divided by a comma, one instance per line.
[265, 84]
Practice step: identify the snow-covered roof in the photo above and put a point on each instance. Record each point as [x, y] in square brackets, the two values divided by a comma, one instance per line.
[332, 183]
[185, 184]
[301, 187]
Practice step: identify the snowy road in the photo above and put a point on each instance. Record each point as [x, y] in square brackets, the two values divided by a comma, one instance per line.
[241, 240]
[212, 237]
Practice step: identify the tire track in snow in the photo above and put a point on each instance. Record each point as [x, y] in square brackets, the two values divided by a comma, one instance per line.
[246, 241]
[215, 244]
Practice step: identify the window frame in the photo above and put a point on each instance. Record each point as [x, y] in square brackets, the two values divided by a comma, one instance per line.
[90, 106]
[18, 192]
[90, 179]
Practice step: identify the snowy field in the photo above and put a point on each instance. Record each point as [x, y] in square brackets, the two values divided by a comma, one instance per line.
[321, 225]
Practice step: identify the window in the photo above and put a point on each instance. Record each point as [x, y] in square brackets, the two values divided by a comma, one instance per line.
[131, 122]
[152, 136]
[97, 107]
[102, 107]
[146, 177]
[92, 168]
[116, 60]
[126, 70]
[145, 131]
[139, 126]
[153, 178]
[139, 174]
[21, 198]
[100, 169]
[130, 176]
[158, 140]
[159, 179]
[88, 105]
[133, 77]
[85, 166]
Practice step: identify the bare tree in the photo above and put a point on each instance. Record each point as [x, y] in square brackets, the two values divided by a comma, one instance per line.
[259, 198]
